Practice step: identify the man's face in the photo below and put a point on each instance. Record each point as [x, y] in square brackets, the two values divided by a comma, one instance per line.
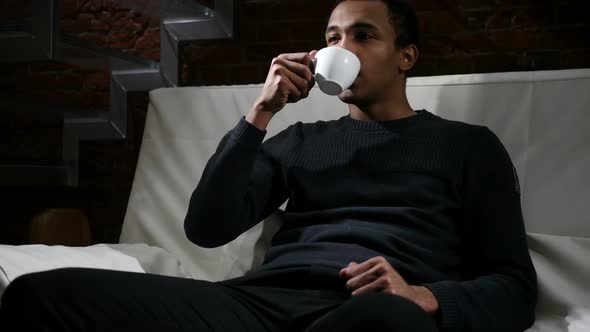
[363, 27]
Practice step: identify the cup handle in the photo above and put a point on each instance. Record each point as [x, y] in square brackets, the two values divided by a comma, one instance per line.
[314, 62]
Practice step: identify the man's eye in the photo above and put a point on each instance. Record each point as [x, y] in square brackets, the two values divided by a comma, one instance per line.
[332, 39]
[363, 36]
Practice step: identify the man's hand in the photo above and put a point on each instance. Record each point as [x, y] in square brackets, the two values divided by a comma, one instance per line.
[289, 80]
[377, 275]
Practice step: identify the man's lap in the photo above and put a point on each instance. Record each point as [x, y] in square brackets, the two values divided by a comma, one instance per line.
[281, 300]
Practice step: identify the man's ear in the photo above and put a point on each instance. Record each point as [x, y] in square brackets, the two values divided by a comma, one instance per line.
[409, 56]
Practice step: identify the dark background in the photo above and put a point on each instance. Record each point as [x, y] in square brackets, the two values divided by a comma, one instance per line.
[459, 36]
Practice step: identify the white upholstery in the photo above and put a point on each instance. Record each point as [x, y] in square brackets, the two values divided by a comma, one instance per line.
[18, 260]
[543, 119]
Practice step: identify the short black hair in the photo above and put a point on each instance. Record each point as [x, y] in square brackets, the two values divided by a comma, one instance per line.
[404, 20]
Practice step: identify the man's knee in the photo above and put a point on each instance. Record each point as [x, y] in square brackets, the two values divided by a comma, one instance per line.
[34, 288]
[23, 299]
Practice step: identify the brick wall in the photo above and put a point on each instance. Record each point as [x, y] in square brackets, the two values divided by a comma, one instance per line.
[460, 36]
[109, 24]
[18, 13]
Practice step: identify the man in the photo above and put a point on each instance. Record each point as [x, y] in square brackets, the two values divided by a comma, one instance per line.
[397, 220]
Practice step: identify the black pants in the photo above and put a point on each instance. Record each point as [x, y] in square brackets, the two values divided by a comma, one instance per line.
[297, 299]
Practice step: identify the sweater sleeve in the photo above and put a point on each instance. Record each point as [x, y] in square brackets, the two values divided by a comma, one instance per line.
[240, 186]
[501, 289]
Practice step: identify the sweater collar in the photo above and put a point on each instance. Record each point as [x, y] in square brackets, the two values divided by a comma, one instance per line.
[385, 125]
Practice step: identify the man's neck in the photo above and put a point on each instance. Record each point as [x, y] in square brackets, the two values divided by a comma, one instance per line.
[383, 111]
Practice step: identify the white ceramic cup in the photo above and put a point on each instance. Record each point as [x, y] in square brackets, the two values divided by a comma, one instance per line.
[335, 69]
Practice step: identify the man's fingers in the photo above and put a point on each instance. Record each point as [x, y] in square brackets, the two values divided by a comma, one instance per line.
[297, 68]
[302, 84]
[293, 92]
[365, 278]
[302, 58]
[353, 270]
[344, 271]
[373, 287]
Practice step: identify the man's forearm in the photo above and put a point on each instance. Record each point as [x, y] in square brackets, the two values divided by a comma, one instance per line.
[219, 208]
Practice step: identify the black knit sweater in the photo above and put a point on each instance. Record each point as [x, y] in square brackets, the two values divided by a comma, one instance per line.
[438, 199]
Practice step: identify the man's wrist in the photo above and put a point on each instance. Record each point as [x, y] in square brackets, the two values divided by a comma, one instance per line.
[426, 300]
[259, 118]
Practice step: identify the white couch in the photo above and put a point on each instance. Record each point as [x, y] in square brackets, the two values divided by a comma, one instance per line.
[543, 118]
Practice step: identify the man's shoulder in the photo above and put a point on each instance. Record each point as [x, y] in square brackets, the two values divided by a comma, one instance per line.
[456, 128]
[456, 124]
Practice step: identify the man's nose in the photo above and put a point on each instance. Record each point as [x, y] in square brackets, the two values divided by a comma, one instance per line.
[348, 45]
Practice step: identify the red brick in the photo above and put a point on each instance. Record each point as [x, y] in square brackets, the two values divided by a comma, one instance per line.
[118, 20]
[97, 81]
[441, 23]
[95, 100]
[95, 5]
[147, 53]
[69, 8]
[283, 12]
[472, 42]
[572, 13]
[103, 21]
[149, 39]
[98, 39]
[515, 40]
[187, 76]
[69, 81]
[425, 66]
[81, 23]
[245, 74]
[439, 45]
[208, 3]
[43, 80]
[475, 4]
[533, 18]
[15, 10]
[457, 64]
[247, 32]
[491, 63]
[574, 59]
[56, 97]
[135, 23]
[428, 5]
[313, 30]
[272, 32]
[46, 66]
[214, 75]
[565, 38]
[70, 25]
[214, 54]
[120, 40]
[266, 52]
[542, 60]
[500, 19]
[304, 46]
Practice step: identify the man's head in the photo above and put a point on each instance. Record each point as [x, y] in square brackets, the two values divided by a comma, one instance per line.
[384, 35]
